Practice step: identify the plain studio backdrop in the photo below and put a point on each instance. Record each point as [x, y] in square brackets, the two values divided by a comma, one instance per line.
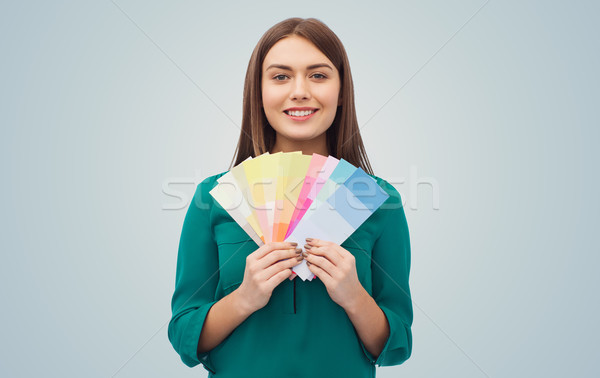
[483, 114]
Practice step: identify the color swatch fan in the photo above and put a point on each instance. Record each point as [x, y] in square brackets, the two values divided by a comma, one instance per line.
[288, 196]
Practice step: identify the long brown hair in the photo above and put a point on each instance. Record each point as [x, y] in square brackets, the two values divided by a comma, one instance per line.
[343, 136]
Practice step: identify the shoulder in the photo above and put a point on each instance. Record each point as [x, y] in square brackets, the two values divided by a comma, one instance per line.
[202, 195]
[211, 181]
[390, 217]
[389, 189]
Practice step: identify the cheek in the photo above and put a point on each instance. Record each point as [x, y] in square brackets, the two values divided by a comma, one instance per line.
[329, 96]
[271, 106]
[271, 97]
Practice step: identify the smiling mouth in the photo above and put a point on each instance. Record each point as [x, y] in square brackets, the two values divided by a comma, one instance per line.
[300, 113]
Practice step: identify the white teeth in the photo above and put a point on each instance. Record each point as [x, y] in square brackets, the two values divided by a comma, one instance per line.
[296, 113]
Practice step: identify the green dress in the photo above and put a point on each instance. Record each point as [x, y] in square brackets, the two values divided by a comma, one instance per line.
[301, 332]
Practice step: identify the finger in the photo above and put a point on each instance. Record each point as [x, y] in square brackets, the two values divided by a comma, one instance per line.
[316, 242]
[321, 274]
[320, 243]
[281, 265]
[269, 247]
[328, 251]
[293, 275]
[322, 262]
[278, 255]
[278, 278]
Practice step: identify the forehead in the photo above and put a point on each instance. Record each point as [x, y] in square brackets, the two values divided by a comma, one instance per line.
[296, 52]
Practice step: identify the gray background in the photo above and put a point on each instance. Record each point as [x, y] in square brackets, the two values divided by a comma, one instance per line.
[108, 106]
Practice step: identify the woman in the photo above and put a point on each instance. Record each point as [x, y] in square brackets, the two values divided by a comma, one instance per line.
[237, 309]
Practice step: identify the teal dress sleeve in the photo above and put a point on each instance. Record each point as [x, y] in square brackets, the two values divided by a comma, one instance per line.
[390, 288]
[197, 276]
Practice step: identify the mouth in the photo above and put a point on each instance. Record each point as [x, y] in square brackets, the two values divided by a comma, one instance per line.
[301, 115]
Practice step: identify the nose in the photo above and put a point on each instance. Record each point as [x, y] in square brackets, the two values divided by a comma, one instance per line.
[300, 90]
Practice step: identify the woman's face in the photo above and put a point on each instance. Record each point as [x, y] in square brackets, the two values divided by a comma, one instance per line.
[296, 74]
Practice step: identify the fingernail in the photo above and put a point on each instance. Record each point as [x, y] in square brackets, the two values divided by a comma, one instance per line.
[293, 244]
[298, 251]
[308, 240]
[304, 254]
[306, 246]
[299, 258]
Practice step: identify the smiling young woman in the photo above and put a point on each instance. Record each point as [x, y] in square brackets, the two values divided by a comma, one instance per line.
[237, 309]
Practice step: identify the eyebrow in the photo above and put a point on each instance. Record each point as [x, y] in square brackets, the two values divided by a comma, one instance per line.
[312, 66]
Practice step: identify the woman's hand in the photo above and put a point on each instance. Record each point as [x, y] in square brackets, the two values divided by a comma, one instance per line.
[336, 267]
[266, 268]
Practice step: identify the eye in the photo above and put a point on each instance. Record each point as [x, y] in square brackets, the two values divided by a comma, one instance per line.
[322, 76]
[280, 75]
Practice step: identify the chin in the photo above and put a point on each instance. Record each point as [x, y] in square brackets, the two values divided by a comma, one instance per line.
[300, 137]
